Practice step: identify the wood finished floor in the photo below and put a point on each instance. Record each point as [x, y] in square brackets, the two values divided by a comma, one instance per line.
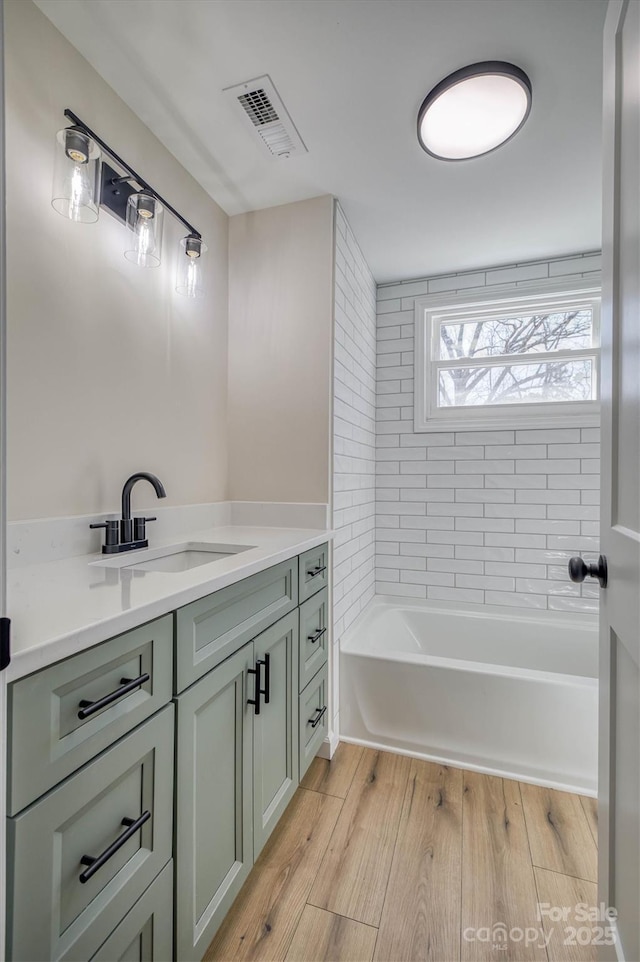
[388, 858]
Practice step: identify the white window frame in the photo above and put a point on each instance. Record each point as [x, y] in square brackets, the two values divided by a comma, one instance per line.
[434, 310]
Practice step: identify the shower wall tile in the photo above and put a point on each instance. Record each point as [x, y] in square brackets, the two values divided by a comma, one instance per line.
[354, 437]
[494, 514]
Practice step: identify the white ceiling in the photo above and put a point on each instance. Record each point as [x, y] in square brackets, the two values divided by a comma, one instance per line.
[352, 74]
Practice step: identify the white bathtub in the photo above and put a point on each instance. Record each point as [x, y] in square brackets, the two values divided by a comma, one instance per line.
[500, 691]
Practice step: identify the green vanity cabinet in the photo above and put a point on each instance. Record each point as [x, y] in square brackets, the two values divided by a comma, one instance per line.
[135, 819]
[60, 905]
[275, 729]
[214, 811]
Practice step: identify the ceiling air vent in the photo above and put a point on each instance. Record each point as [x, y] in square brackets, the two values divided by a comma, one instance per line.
[260, 105]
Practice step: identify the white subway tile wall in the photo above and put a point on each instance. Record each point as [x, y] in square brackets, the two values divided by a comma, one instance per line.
[479, 516]
[354, 439]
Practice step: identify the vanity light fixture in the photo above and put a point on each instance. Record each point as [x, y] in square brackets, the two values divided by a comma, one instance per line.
[84, 181]
[474, 110]
[144, 219]
[189, 276]
[76, 182]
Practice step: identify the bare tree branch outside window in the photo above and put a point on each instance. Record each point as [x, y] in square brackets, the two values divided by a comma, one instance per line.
[517, 382]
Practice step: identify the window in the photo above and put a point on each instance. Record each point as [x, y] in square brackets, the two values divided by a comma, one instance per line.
[531, 357]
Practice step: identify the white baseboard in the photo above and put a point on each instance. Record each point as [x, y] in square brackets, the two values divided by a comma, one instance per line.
[617, 943]
[329, 745]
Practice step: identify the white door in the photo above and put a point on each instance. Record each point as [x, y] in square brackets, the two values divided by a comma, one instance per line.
[3, 489]
[619, 833]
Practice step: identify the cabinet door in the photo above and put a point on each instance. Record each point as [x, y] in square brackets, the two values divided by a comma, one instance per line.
[214, 847]
[275, 739]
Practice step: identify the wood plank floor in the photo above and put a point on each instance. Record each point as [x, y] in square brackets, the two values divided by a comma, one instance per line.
[386, 858]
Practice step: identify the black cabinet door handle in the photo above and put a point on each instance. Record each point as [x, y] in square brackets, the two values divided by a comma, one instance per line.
[314, 722]
[257, 671]
[88, 708]
[318, 635]
[95, 863]
[266, 691]
[316, 571]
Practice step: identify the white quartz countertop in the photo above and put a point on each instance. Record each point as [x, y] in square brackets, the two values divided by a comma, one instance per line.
[65, 606]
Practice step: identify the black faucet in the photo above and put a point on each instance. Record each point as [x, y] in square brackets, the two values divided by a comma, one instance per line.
[129, 533]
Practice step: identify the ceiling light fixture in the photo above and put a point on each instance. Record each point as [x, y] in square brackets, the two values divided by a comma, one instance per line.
[474, 110]
[83, 183]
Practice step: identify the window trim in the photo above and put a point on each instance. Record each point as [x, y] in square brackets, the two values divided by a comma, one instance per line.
[432, 310]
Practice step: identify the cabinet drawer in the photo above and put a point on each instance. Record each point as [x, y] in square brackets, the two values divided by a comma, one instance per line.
[314, 636]
[146, 932]
[211, 629]
[48, 741]
[314, 571]
[90, 815]
[314, 706]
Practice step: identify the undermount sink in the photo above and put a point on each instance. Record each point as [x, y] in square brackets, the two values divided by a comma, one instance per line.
[173, 557]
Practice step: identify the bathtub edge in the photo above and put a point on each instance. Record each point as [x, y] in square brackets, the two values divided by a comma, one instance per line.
[470, 767]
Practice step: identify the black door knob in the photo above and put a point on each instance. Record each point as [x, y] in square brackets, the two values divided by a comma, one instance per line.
[579, 570]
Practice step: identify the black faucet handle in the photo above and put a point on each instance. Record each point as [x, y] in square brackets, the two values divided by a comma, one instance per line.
[139, 528]
[112, 531]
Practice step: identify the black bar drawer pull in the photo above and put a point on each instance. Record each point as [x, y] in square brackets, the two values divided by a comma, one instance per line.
[318, 635]
[258, 689]
[95, 863]
[88, 708]
[314, 722]
[316, 571]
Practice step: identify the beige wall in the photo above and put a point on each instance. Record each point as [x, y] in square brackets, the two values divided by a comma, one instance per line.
[110, 371]
[280, 330]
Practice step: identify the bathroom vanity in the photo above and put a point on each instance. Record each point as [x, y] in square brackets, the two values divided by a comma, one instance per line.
[159, 761]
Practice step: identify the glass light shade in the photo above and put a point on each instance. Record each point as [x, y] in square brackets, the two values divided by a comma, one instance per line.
[189, 276]
[76, 176]
[145, 216]
[474, 110]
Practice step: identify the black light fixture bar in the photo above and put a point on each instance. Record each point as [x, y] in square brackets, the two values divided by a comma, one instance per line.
[69, 114]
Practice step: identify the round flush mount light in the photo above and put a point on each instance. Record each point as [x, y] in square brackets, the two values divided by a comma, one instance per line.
[474, 110]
